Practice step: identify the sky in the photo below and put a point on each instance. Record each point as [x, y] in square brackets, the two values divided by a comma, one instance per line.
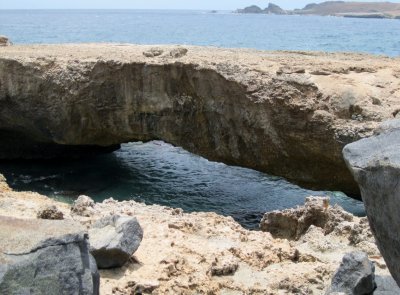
[151, 4]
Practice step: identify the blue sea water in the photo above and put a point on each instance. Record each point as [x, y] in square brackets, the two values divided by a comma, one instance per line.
[224, 29]
[158, 173]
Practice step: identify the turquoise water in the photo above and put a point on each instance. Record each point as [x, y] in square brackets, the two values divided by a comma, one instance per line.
[225, 29]
[157, 173]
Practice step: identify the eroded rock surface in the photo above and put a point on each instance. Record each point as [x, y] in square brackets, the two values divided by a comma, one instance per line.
[45, 257]
[375, 164]
[286, 113]
[180, 252]
[293, 223]
[4, 41]
[114, 239]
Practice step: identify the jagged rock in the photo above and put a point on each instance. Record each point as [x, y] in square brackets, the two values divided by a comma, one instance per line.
[250, 9]
[153, 52]
[356, 275]
[274, 9]
[4, 41]
[113, 240]
[293, 223]
[50, 212]
[224, 267]
[45, 257]
[375, 164]
[227, 105]
[178, 52]
[83, 206]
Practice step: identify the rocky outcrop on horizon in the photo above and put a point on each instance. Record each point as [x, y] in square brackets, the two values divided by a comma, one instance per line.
[285, 113]
[375, 164]
[335, 8]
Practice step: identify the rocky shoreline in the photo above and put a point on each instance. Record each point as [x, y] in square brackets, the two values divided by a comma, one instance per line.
[204, 253]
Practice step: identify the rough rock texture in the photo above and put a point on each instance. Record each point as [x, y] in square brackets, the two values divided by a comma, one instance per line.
[356, 275]
[50, 212]
[375, 164]
[83, 206]
[45, 257]
[180, 252]
[293, 223]
[286, 113]
[114, 239]
[4, 41]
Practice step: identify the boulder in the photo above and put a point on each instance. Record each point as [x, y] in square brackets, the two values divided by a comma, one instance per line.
[45, 257]
[4, 41]
[113, 240]
[356, 276]
[375, 164]
[293, 223]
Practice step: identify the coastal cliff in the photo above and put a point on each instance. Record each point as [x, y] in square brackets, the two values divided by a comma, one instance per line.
[285, 113]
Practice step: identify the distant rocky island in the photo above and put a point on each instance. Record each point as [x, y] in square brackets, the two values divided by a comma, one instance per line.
[335, 8]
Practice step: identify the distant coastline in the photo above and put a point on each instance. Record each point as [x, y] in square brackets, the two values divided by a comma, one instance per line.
[334, 8]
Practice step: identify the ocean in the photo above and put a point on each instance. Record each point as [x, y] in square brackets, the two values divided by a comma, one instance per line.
[156, 172]
[223, 29]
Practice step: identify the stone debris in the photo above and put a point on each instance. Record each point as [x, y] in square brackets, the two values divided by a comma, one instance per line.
[356, 275]
[293, 223]
[50, 212]
[178, 52]
[224, 267]
[114, 239]
[83, 206]
[153, 52]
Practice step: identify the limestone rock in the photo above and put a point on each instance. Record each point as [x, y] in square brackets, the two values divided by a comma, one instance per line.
[153, 52]
[293, 223]
[227, 105]
[3, 184]
[113, 240]
[4, 41]
[50, 212]
[45, 257]
[356, 275]
[375, 164]
[83, 206]
[178, 52]
[224, 267]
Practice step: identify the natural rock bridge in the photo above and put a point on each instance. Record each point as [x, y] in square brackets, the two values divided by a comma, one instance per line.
[285, 113]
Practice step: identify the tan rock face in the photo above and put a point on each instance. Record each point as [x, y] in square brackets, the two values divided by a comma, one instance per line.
[285, 113]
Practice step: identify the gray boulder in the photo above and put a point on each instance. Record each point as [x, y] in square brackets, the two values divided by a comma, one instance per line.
[355, 276]
[113, 240]
[375, 165]
[45, 257]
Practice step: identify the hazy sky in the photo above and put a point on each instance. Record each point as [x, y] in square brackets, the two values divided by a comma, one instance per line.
[151, 4]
